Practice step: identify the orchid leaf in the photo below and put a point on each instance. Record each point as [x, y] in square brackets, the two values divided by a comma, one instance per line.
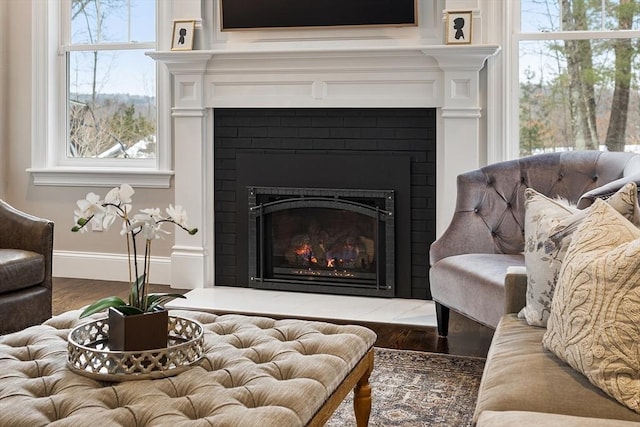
[129, 310]
[136, 291]
[156, 300]
[101, 305]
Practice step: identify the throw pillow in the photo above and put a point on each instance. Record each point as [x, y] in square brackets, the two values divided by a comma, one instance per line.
[548, 228]
[541, 215]
[595, 314]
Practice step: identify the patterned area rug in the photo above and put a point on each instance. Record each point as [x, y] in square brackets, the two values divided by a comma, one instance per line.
[411, 389]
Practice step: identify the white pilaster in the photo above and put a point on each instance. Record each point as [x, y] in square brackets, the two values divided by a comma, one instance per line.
[461, 145]
[191, 258]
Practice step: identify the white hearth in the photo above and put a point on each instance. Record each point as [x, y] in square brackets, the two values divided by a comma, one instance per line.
[434, 76]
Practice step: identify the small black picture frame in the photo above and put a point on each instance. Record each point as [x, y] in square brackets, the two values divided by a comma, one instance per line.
[182, 35]
[458, 28]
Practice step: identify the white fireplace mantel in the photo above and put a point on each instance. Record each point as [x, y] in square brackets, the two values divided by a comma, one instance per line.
[438, 76]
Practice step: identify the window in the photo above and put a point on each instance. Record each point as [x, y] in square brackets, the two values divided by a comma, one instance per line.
[95, 107]
[578, 75]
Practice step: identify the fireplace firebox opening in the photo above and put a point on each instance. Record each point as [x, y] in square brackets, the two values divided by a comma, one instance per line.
[322, 240]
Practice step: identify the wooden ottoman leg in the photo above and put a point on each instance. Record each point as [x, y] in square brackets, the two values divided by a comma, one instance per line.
[362, 395]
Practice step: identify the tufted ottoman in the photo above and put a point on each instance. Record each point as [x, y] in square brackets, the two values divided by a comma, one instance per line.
[256, 372]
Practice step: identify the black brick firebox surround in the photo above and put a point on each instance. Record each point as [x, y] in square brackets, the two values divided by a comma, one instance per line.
[382, 137]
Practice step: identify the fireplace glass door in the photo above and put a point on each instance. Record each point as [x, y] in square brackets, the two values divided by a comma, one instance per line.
[321, 240]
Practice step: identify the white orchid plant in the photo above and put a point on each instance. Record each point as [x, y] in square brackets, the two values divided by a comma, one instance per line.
[146, 224]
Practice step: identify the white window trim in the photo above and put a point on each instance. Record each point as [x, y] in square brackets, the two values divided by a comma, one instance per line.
[48, 116]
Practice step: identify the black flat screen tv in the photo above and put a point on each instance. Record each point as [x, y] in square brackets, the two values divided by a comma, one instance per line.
[280, 14]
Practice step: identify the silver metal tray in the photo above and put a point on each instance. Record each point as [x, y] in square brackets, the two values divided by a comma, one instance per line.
[89, 354]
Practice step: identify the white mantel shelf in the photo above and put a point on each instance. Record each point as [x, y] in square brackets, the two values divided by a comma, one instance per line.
[474, 56]
[314, 75]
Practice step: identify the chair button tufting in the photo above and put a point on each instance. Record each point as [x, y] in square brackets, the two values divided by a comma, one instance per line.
[494, 234]
[476, 210]
[595, 178]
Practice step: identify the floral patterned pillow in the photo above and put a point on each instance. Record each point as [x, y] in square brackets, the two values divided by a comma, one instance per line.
[542, 214]
[594, 323]
[548, 229]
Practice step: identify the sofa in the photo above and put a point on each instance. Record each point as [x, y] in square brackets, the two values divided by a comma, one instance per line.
[470, 261]
[523, 384]
[578, 364]
[26, 255]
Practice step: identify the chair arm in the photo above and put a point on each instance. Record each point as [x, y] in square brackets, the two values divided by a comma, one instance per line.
[607, 190]
[19, 230]
[515, 289]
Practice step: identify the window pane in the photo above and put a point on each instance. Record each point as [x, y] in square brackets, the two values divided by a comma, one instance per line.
[84, 23]
[568, 96]
[540, 15]
[577, 15]
[112, 104]
[112, 21]
[143, 20]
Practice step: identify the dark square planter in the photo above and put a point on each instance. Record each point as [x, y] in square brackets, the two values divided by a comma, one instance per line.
[138, 332]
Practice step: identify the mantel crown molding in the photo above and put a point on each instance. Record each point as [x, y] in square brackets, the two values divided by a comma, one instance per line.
[190, 62]
[471, 57]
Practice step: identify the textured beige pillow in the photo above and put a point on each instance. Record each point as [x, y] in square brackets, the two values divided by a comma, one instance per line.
[594, 324]
[548, 229]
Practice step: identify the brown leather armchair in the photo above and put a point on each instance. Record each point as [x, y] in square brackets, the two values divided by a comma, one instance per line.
[26, 255]
[477, 263]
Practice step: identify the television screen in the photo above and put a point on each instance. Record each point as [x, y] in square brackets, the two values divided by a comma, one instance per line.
[262, 14]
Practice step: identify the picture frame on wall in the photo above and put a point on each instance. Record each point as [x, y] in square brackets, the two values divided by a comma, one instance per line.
[182, 37]
[459, 27]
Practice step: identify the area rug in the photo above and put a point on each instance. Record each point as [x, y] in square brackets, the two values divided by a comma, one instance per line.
[411, 389]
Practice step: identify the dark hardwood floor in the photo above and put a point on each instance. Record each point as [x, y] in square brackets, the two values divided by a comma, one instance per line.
[465, 336]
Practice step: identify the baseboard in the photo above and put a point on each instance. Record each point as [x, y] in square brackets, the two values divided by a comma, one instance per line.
[103, 266]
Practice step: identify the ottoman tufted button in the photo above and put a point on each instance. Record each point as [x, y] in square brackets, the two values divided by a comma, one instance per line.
[594, 178]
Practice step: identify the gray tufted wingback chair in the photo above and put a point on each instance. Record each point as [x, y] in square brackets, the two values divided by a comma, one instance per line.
[26, 255]
[473, 263]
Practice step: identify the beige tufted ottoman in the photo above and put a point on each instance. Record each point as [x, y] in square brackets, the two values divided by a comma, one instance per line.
[256, 372]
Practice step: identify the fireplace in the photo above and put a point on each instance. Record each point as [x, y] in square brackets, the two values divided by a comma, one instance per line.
[402, 70]
[330, 161]
[322, 240]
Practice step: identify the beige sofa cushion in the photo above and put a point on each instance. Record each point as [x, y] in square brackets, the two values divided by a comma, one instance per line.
[521, 376]
[596, 309]
[537, 419]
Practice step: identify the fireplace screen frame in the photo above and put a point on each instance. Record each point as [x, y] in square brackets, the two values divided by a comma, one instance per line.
[339, 199]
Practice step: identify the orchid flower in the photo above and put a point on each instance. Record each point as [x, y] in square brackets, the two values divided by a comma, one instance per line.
[178, 215]
[147, 223]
